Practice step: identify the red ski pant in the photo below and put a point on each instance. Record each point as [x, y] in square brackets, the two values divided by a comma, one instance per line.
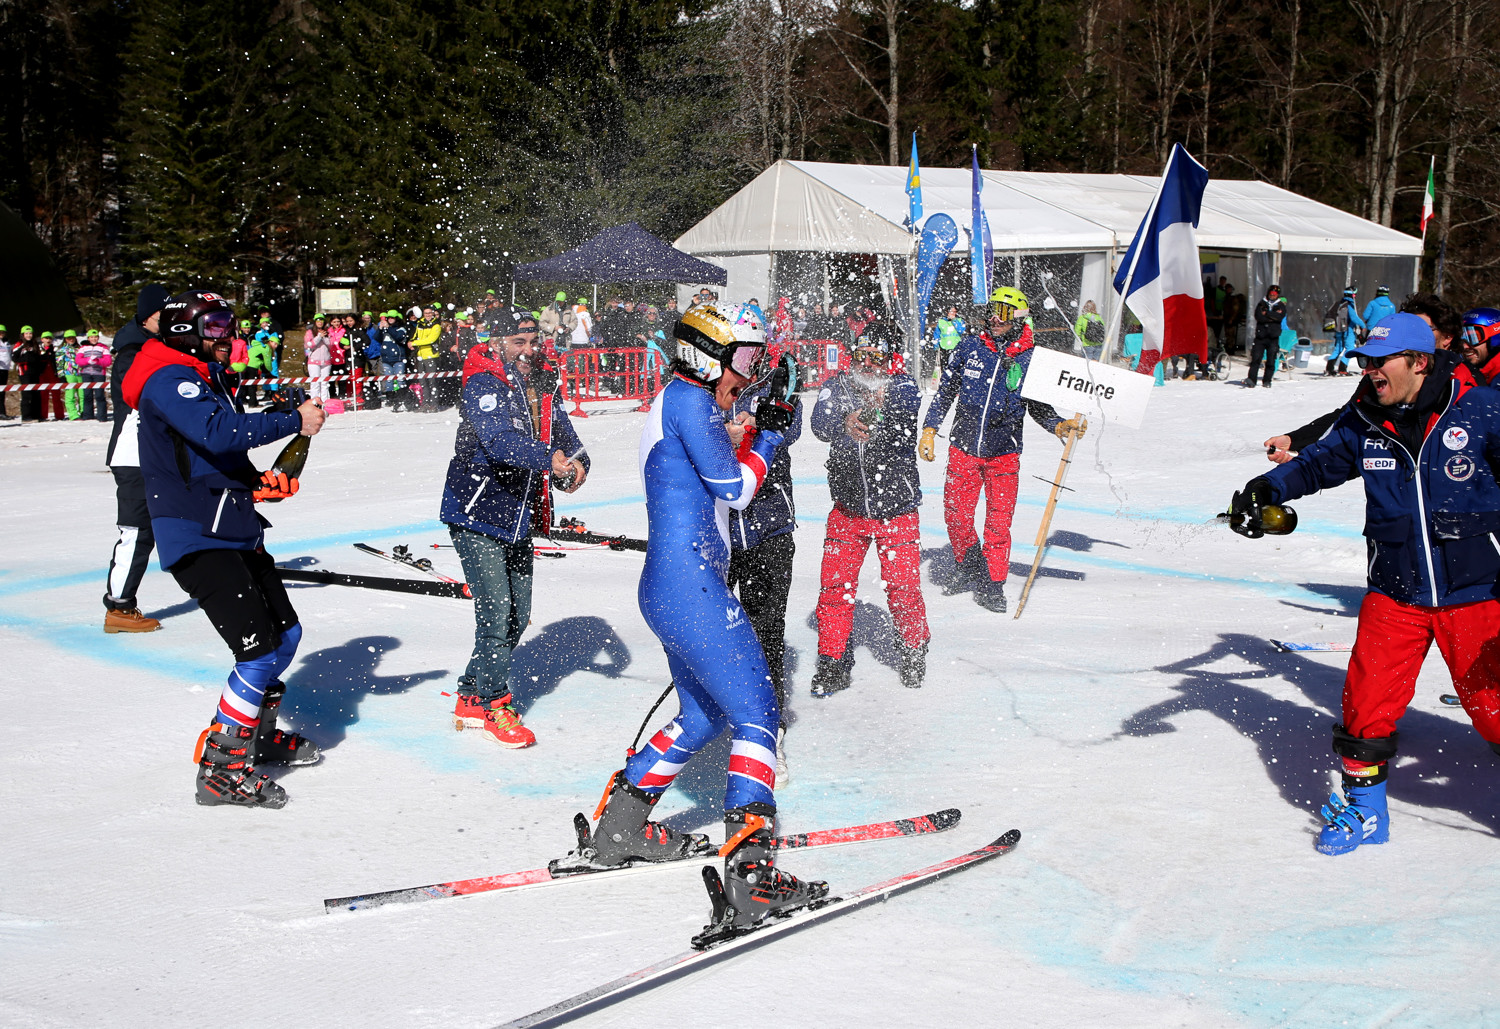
[966, 474]
[900, 556]
[1389, 647]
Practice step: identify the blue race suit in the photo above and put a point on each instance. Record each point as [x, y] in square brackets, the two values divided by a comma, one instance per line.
[1345, 338]
[1375, 310]
[693, 481]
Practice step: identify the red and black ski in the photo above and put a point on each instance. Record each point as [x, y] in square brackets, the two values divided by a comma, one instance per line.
[690, 961]
[938, 821]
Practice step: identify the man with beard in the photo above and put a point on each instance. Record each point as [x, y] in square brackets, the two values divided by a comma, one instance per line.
[201, 490]
[502, 455]
[984, 375]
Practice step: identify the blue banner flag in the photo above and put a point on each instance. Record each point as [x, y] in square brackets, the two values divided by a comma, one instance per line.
[981, 250]
[939, 237]
[914, 188]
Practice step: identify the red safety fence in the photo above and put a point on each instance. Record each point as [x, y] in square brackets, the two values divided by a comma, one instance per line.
[596, 374]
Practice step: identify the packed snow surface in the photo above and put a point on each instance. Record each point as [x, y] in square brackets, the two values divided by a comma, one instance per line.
[1163, 763]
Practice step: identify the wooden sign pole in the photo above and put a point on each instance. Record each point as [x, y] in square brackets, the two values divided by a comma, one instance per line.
[1046, 526]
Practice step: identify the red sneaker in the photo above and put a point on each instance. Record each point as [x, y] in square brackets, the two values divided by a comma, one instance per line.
[504, 726]
[469, 712]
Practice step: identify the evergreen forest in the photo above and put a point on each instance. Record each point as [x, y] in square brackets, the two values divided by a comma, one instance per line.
[426, 145]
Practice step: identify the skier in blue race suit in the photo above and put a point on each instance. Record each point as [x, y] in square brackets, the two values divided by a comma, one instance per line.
[1379, 308]
[693, 479]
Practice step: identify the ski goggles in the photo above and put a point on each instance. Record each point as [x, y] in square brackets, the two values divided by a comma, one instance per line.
[1475, 336]
[874, 355]
[216, 325]
[745, 359]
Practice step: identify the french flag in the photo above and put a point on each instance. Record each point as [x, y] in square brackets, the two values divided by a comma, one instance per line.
[1160, 277]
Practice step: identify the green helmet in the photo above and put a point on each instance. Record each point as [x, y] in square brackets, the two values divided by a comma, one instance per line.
[1008, 302]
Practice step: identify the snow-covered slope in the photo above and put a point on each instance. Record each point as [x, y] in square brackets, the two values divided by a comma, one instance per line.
[1162, 761]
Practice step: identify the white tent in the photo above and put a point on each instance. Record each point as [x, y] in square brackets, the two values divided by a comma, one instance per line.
[806, 207]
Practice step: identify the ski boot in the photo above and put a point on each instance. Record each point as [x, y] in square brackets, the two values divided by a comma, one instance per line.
[1359, 818]
[752, 889]
[990, 595]
[913, 665]
[624, 837]
[496, 717]
[966, 571]
[273, 746]
[226, 774]
[832, 675]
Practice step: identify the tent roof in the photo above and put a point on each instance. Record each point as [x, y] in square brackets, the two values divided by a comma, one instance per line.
[851, 208]
[623, 253]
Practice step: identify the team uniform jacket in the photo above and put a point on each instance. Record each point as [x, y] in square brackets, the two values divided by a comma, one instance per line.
[772, 512]
[498, 458]
[1432, 518]
[194, 452]
[985, 377]
[876, 478]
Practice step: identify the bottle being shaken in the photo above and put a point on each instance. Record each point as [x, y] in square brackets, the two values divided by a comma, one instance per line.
[1252, 513]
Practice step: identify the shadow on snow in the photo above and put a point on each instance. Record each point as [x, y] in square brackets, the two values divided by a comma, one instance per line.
[1443, 763]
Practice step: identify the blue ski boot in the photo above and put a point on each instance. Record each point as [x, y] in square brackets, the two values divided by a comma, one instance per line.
[1360, 818]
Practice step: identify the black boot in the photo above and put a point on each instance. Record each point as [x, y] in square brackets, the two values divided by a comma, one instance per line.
[272, 746]
[990, 595]
[832, 674]
[624, 837]
[226, 774]
[966, 574]
[913, 665]
[752, 889]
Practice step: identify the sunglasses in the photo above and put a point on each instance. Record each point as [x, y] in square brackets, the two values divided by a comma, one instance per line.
[1366, 361]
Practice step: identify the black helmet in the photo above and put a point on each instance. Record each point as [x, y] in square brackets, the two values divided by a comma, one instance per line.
[190, 318]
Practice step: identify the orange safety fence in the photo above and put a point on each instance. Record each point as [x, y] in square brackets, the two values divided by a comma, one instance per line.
[595, 374]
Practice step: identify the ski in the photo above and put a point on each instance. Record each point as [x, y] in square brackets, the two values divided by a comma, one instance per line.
[424, 587]
[400, 555]
[690, 961]
[571, 529]
[1284, 646]
[938, 821]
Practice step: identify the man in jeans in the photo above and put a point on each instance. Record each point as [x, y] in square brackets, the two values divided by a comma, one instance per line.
[502, 458]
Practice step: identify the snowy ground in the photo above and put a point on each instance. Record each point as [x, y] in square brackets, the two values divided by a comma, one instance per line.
[1161, 760]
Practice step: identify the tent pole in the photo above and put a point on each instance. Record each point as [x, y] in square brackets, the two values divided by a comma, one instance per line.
[913, 338]
[595, 305]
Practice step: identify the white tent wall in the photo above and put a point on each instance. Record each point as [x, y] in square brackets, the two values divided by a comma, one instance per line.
[749, 276]
[1051, 222]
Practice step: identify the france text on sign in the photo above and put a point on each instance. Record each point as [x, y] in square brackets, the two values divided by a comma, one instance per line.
[1070, 384]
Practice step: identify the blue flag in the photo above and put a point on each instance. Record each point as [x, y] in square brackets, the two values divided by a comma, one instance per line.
[981, 250]
[914, 187]
[939, 236]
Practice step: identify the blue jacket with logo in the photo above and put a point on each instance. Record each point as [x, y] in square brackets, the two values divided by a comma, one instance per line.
[194, 448]
[498, 457]
[877, 478]
[985, 377]
[1432, 514]
[1376, 309]
[772, 512]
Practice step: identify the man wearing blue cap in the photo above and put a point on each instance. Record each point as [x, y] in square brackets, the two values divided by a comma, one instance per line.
[1423, 437]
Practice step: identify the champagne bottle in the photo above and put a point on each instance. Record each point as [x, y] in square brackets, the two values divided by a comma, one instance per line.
[290, 461]
[293, 457]
[1277, 519]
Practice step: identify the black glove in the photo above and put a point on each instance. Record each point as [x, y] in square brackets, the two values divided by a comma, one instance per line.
[1244, 507]
[295, 397]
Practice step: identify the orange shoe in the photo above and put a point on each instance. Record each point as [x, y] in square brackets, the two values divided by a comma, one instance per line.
[128, 619]
[504, 725]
